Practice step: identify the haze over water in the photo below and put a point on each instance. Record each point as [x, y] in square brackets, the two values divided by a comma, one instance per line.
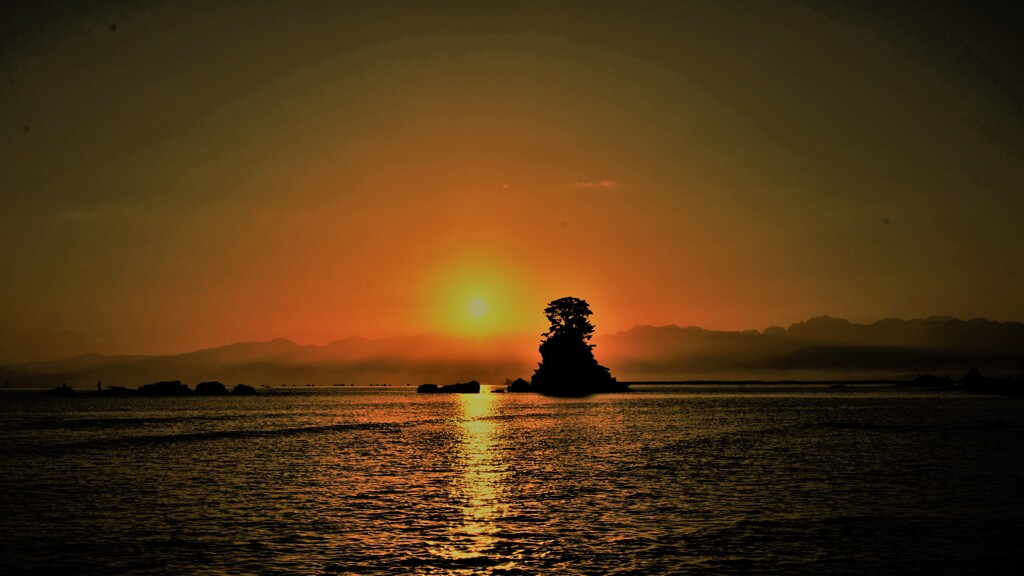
[671, 479]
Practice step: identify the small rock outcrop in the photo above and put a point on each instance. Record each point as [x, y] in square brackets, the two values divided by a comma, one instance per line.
[471, 387]
[243, 390]
[166, 388]
[518, 385]
[973, 381]
[210, 389]
[62, 390]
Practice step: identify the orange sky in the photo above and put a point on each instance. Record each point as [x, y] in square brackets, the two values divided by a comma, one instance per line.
[209, 174]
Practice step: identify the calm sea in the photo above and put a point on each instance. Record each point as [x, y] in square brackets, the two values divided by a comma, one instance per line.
[667, 480]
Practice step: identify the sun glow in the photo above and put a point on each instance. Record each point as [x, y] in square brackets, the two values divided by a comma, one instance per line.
[477, 307]
[482, 296]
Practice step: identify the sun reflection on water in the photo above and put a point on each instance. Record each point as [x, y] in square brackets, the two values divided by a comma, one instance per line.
[479, 487]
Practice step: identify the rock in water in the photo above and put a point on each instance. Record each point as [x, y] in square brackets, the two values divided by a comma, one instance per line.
[210, 389]
[568, 366]
[243, 390]
[167, 388]
[62, 390]
[471, 387]
[519, 385]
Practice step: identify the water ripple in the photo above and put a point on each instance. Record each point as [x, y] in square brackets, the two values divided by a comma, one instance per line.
[388, 482]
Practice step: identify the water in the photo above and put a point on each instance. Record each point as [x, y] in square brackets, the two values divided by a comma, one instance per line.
[671, 479]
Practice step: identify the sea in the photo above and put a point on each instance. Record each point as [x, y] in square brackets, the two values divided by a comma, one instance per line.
[668, 479]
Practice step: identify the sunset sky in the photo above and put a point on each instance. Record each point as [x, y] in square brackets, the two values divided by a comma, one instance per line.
[178, 176]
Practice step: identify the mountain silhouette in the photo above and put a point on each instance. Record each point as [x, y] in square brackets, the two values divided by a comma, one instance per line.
[397, 360]
[818, 348]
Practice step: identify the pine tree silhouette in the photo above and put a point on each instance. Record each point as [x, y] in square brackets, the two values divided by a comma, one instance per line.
[568, 366]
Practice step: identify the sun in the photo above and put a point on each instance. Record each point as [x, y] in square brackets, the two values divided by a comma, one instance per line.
[477, 307]
[480, 298]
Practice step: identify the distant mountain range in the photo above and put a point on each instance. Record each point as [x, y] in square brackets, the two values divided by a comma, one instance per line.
[820, 348]
[397, 360]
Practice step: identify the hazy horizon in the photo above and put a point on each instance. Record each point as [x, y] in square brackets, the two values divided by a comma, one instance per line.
[481, 341]
[820, 348]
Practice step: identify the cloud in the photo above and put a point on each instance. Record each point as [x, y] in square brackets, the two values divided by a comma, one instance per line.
[599, 184]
